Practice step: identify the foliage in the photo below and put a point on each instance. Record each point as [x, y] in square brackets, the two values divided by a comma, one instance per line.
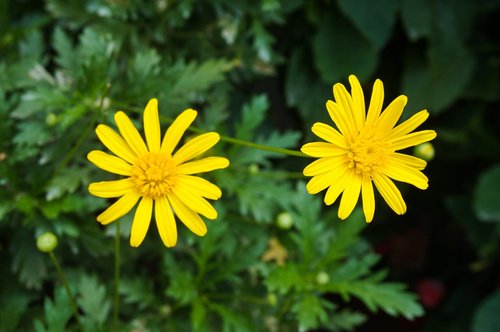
[260, 72]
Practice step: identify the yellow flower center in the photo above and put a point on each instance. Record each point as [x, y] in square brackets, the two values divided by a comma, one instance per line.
[154, 174]
[366, 154]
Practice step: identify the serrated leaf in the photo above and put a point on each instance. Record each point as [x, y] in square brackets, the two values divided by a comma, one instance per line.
[340, 50]
[232, 321]
[310, 311]
[252, 116]
[346, 320]
[182, 287]
[12, 307]
[487, 195]
[93, 299]
[27, 261]
[374, 19]
[57, 311]
[66, 55]
[66, 182]
[283, 278]
[137, 291]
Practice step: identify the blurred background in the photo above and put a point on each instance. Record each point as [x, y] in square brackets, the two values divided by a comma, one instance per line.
[277, 259]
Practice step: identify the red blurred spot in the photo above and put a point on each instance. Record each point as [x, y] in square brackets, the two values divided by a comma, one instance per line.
[431, 292]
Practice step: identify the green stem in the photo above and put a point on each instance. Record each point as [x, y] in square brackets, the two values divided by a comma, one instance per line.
[68, 292]
[116, 307]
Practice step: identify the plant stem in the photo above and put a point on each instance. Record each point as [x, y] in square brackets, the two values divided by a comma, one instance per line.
[116, 306]
[68, 291]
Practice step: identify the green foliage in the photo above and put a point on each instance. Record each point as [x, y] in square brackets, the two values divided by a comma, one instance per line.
[258, 71]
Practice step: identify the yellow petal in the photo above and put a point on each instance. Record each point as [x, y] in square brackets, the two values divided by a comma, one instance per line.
[152, 125]
[408, 160]
[195, 147]
[409, 125]
[109, 163]
[390, 193]
[412, 139]
[338, 116]
[403, 173]
[322, 149]
[337, 187]
[176, 130]
[323, 165]
[368, 198]
[376, 102]
[321, 181]
[199, 186]
[165, 222]
[130, 134]
[350, 196]
[111, 189]
[195, 202]
[344, 101]
[391, 115]
[188, 217]
[141, 221]
[203, 165]
[115, 143]
[329, 134]
[118, 209]
[358, 102]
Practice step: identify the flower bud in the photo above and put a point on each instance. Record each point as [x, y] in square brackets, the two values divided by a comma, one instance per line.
[253, 169]
[424, 151]
[46, 242]
[272, 299]
[284, 220]
[51, 119]
[322, 278]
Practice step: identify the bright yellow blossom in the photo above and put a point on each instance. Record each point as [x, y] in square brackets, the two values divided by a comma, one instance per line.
[156, 176]
[362, 152]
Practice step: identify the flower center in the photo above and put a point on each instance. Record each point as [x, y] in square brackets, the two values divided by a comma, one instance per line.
[366, 154]
[154, 174]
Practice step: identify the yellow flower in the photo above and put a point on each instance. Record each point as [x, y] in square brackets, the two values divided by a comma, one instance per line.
[363, 151]
[157, 176]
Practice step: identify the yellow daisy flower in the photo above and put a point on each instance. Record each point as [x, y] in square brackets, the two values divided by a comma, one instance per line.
[363, 151]
[157, 176]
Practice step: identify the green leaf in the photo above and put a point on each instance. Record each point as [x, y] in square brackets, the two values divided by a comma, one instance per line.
[346, 320]
[340, 50]
[232, 321]
[198, 313]
[310, 311]
[182, 287]
[417, 18]
[487, 195]
[137, 291]
[374, 19]
[12, 307]
[252, 116]
[27, 261]
[93, 299]
[67, 58]
[57, 311]
[486, 318]
[283, 278]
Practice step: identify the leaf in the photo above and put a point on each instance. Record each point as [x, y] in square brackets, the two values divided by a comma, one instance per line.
[374, 19]
[232, 321]
[340, 50]
[27, 261]
[137, 291]
[346, 320]
[67, 57]
[487, 195]
[283, 278]
[252, 116]
[198, 313]
[57, 312]
[182, 287]
[12, 307]
[93, 299]
[417, 18]
[310, 311]
[486, 318]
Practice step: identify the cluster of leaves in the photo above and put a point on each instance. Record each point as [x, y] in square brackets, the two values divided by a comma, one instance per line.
[250, 68]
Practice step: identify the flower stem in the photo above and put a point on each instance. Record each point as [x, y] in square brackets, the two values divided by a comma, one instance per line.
[116, 306]
[68, 292]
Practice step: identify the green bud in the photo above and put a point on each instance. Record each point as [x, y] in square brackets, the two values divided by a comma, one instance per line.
[322, 278]
[51, 119]
[46, 242]
[424, 151]
[272, 299]
[284, 220]
[253, 169]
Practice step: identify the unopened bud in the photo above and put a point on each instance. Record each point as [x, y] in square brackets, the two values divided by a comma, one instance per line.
[46, 242]
[284, 220]
[424, 151]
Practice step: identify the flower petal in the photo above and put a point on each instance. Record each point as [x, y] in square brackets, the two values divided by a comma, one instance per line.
[329, 134]
[321, 181]
[403, 173]
[195, 147]
[391, 115]
[199, 186]
[338, 116]
[115, 143]
[358, 102]
[130, 133]
[344, 101]
[323, 165]
[141, 222]
[203, 165]
[390, 193]
[109, 163]
[195, 202]
[412, 139]
[368, 198]
[322, 149]
[408, 160]
[409, 125]
[337, 187]
[165, 222]
[188, 217]
[119, 208]
[350, 197]
[176, 130]
[152, 125]
[111, 189]
[376, 102]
